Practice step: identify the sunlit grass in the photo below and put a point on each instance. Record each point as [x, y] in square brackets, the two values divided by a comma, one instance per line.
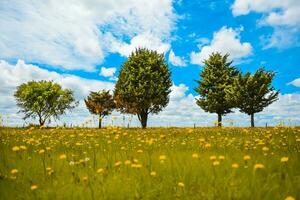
[158, 163]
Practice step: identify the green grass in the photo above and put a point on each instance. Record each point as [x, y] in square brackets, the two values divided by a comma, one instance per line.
[117, 163]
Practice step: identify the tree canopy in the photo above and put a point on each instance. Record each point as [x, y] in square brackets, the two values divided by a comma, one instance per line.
[254, 92]
[43, 100]
[217, 78]
[143, 85]
[100, 103]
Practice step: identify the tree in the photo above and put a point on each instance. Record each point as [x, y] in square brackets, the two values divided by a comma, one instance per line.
[44, 99]
[254, 93]
[143, 86]
[214, 87]
[100, 103]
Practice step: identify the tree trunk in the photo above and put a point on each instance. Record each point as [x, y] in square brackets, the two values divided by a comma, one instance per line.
[100, 122]
[252, 120]
[219, 120]
[143, 117]
[42, 122]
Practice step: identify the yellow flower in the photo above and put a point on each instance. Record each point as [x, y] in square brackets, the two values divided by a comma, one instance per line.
[222, 157]
[16, 148]
[259, 166]
[136, 165]
[127, 162]
[162, 157]
[153, 173]
[212, 157]
[63, 156]
[215, 163]
[41, 151]
[284, 159]
[235, 165]
[118, 163]
[33, 187]
[265, 149]
[23, 147]
[100, 170]
[289, 198]
[14, 171]
[247, 157]
[207, 145]
[140, 151]
[85, 178]
[195, 155]
[180, 184]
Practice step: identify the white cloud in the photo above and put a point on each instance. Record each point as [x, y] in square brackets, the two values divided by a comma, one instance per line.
[143, 40]
[283, 16]
[295, 82]
[176, 60]
[107, 72]
[226, 40]
[72, 34]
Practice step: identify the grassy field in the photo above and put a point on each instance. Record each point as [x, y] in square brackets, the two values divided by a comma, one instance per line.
[158, 163]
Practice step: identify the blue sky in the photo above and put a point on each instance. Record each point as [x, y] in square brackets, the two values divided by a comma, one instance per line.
[85, 42]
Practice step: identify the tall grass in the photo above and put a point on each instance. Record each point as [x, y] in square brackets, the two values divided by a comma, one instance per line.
[158, 163]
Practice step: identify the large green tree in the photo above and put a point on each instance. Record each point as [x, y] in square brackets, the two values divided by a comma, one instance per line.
[214, 87]
[100, 103]
[254, 92]
[143, 85]
[43, 100]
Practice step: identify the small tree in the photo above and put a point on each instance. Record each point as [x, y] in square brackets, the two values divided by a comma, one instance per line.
[214, 86]
[100, 103]
[144, 84]
[254, 93]
[44, 99]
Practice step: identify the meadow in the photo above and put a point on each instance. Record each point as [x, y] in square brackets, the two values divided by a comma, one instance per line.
[155, 163]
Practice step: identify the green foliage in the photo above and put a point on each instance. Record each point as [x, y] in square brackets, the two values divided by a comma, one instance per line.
[254, 93]
[215, 85]
[43, 99]
[144, 84]
[100, 103]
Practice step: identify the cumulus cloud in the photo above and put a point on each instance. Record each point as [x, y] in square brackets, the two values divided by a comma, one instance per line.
[176, 60]
[144, 40]
[107, 72]
[283, 16]
[73, 34]
[226, 40]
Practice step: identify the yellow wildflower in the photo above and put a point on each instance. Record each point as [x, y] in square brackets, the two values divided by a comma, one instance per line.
[33, 187]
[221, 157]
[16, 148]
[247, 157]
[195, 155]
[235, 165]
[162, 157]
[289, 198]
[41, 151]
[215, 163]
[118, 163]
[153, 173]
[180, 184]
[63, 156]
[259, 166]
[23, 147]
[212, 157]
[284, 159]
[14, 171]
[127, 162]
